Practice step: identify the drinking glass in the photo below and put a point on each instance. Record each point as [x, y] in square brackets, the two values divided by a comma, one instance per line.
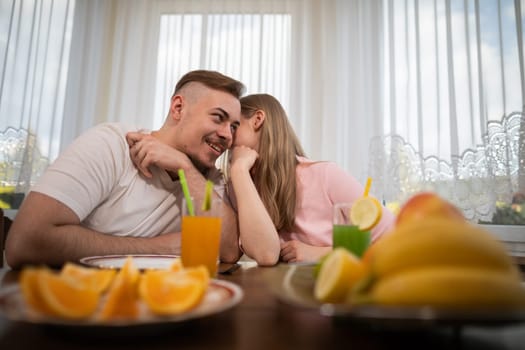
[347, 235]
[201, 235]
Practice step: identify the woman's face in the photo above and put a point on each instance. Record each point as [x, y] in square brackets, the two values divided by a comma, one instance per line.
[246, 134]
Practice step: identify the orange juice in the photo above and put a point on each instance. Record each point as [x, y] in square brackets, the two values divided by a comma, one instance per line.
[200, 240]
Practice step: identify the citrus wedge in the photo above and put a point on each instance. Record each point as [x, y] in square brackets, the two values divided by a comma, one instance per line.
[64, 297]
[89, 278]
[339, 272]
[366, 213]
[170, 293]
[122, 295]
[176, 265]
[200, 273]
[31, 290]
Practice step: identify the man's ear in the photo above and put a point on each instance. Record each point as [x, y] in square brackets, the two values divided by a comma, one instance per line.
[176, 105]
[258, 120]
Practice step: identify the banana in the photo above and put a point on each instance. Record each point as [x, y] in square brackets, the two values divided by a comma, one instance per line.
[450, 287]
[438, 241]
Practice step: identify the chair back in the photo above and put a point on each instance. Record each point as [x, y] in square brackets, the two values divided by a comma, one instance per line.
[5, 225]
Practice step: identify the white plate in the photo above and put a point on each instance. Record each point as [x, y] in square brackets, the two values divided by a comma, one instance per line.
[220, 296]
[140, 261]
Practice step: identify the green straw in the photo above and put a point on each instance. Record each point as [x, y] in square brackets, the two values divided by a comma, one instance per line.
[186, 191]
[206, 203]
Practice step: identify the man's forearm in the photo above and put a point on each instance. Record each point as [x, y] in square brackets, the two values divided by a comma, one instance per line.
[64, 243]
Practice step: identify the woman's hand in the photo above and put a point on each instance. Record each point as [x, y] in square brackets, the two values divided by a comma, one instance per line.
[243, 158]
[146, 150]
[297, 251]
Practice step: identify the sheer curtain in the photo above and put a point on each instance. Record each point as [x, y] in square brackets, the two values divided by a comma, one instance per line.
[336, 97]
[430, 74]
[34, 51]
[127, 56]
[454, 95]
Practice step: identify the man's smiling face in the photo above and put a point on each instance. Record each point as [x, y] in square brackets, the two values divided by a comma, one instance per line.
[208, 120]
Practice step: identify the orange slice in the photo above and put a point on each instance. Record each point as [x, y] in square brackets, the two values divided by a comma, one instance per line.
[88, 278]
[170, 293]
[122, 295]
[200, 273]
[31, 289]
[366, 213]
[176, 265]
[64, 297]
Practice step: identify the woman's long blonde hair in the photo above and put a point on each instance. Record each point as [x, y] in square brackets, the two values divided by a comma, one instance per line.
[274, 171]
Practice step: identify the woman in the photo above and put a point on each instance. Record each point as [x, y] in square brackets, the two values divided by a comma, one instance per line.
[284, 200]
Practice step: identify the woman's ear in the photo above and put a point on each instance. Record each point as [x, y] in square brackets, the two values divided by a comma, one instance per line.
[258, 120]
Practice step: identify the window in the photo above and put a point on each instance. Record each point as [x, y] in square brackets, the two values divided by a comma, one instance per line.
[453, 103]
[34, 54]
[254, 48]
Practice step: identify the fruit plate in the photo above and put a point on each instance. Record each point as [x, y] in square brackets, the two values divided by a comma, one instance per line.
[294, 284]
[220, 296]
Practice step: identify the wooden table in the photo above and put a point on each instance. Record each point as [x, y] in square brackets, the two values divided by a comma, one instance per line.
[260, 321]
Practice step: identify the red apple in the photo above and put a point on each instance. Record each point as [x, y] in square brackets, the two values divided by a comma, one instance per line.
[427, 204]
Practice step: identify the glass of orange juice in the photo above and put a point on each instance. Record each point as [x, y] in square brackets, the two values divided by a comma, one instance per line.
[201, 235]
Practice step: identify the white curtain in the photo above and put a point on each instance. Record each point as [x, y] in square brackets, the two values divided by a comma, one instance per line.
[34, 51]
[454, 94]
[112, 65]
[336, 102]
[430, 73]
[328, 79]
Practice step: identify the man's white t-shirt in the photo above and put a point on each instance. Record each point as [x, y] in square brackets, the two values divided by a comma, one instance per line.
[96, 178]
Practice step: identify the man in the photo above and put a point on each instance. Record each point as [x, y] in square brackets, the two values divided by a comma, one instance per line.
[93, 201]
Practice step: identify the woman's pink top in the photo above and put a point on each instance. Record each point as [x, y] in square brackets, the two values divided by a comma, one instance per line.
[319, 186]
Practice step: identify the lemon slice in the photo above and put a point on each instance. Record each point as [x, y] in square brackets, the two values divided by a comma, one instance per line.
[366, 213]
[338, 274]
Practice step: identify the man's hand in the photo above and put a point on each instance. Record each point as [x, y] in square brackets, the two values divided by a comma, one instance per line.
[146, 150]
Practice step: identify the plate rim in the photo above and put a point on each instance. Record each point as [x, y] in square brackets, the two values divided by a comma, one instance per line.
[90, 260]
[235, 291]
